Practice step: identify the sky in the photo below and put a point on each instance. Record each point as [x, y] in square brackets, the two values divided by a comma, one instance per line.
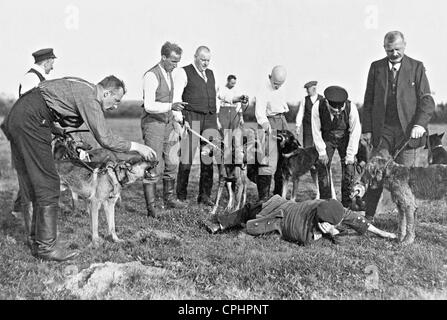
[331, 41]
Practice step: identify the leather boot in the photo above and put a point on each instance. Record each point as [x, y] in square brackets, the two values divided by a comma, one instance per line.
[168, 195]
[30, 233]
[263, 185]
[149, 196]
[46, 235]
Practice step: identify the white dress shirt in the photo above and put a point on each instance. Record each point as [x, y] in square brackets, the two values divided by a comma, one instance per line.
[270, 102]
[355, 131]
[31, 80]
[150, 85]
[226, 96]
[181, 81]
[301, 108]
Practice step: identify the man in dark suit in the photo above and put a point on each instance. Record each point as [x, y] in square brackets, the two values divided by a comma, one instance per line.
[398, 106]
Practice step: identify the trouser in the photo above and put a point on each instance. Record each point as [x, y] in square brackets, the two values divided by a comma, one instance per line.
[237, 218]
[268, 148]
[205, 125]
[232, 135]
[308, 140]
[28, 127]
[163, 139]
[348, 171]
[393, 137]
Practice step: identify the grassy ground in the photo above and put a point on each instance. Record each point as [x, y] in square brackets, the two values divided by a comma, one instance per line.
[232, 265]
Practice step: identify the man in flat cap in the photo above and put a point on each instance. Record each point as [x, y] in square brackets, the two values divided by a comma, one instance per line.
[28, 126]
[300, 222]
[43, 64]
[398, 106]
[336, 126]
[304, 115]
[271, 107]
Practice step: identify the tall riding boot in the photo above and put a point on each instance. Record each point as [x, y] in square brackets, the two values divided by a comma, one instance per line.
[263, 185]
[46, 235]
[168, 195]
[182, 181]
[30, 233]
[149, 196]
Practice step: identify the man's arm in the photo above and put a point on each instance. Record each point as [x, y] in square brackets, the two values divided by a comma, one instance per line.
[261, 111]
[180, 81]
[358, 223]
[300, 114]
[426, 103]
[355, 130]
[368, 102]
[150, 85]
[29, 81]
[320, 145]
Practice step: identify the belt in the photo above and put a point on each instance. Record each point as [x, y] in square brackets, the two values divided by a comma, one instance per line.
[276, 116]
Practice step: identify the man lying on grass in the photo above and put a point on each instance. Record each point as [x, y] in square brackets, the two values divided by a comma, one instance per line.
[301, 222]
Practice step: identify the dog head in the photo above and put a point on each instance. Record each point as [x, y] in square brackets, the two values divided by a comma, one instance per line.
[435, 140]
[287, 142]
[64, 146]
[133, 169]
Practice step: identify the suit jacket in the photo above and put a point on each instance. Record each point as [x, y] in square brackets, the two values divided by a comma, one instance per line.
[415, 105]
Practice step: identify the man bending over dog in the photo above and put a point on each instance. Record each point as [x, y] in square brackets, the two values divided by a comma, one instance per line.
[301, 222]
[336, 126]
[70, 102]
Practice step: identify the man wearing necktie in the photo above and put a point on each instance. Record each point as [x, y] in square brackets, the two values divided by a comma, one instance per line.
[398, 106]
[160, 123]
[195, 85]
[336, 126]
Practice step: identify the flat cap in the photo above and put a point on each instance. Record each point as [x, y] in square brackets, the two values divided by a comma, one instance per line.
[43, 54]
[330, 211]
[310, 84]
[336, 94]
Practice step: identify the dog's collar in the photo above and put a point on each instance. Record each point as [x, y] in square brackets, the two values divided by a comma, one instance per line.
[437, 147]
[291, 154]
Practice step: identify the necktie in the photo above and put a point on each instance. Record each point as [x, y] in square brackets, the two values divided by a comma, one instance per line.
[171, 91]
[394, 70]
[203, 75]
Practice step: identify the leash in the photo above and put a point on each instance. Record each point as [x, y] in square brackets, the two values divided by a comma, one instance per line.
[204, 139]
[396, 154]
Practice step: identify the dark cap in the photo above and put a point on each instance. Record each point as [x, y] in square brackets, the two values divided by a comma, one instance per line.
[43, 54]
[330, 211]
[336, 94]
[310, 84]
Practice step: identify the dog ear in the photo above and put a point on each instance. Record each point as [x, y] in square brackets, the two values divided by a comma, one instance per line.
[441, 135]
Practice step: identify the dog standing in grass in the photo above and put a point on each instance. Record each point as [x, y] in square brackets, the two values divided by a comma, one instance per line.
[438, 153]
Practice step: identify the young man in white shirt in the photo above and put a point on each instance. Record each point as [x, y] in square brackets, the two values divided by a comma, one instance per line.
[336, 126]
[160, 126]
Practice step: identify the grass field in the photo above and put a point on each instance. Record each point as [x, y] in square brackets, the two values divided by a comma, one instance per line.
[233, 265]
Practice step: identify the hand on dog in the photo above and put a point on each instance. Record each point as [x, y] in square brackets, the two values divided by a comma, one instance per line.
[366, 138]
[417, 132]
[324, 159]
[178, 106]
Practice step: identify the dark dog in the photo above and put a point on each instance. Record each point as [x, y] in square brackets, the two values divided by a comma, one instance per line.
[405, 185]
[438, 153]
[294, 162]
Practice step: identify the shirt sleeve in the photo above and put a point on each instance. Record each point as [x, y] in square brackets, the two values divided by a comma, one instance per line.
[320, 145]
[261, 109]
[180, 81]
[29, 81]
[355, 221]
[355, 130]
[300, 114]
[150, 85]
[93, 116]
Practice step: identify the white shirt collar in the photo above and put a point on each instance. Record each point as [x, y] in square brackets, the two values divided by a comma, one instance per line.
[397, 65]
[197, 69]
[40, 69]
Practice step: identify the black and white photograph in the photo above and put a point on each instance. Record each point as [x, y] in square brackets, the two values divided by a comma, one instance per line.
[244, 152]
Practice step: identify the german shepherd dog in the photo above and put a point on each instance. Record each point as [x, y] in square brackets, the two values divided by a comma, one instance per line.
[100, 183]
[438, 153]
[294, 161]
[405, 185]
